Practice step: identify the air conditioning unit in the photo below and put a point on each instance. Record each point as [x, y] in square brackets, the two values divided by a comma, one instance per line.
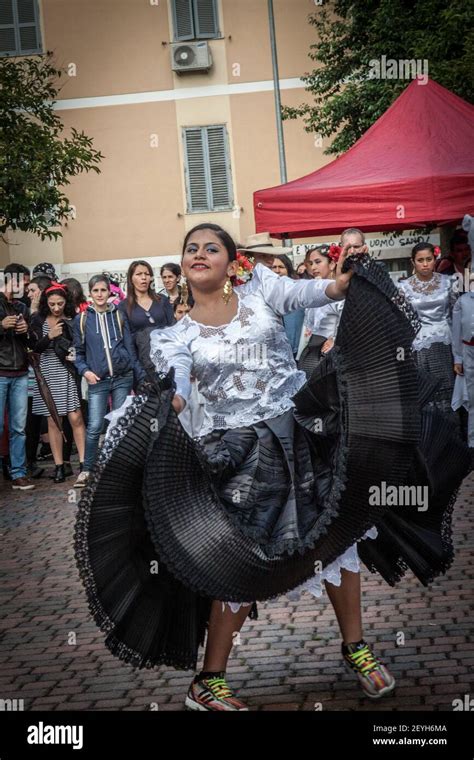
[190, 56]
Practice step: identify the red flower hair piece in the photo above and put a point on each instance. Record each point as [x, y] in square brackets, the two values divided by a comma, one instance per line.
[244, 262]
[334, 252]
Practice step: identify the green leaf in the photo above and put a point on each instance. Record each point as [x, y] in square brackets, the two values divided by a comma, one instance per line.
[37, 156]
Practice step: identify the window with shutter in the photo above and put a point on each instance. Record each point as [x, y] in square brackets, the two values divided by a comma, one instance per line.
[183, 19]
[196, 179]
[205, 19]
[19, 27]
[218, 167]
[7, 27]
[208, 177]
[194, 19]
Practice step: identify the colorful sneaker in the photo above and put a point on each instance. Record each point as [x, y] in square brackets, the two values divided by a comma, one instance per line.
[212, 694]
[373, 676]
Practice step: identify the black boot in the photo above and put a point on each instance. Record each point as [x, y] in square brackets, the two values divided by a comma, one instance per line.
[59, 476]
[44, 452]
[34, 471]
[67, 469]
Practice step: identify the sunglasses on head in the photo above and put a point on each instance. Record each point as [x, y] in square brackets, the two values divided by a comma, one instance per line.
[150, 318]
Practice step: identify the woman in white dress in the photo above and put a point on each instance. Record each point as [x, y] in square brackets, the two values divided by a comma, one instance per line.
[269, 492]
[433, 296]
[321, 323]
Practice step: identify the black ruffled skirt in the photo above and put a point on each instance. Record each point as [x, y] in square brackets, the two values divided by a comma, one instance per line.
[437, 361]
[311, 355]
[167, 523]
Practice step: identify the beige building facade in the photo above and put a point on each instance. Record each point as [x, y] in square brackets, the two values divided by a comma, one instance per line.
[169, 137]
[180, 146]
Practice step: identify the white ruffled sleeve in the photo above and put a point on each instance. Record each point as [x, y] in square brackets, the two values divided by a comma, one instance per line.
[313, 317]
[168, 348]
[456, 332]
[285, 295]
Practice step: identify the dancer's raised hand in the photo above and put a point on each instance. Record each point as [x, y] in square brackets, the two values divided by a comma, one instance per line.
[178, 403]
[338, 289]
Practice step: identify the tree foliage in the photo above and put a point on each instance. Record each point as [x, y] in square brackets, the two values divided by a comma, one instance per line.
[37, 158]
[352, 34]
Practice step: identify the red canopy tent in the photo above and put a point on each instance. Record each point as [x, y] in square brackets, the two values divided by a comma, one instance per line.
[414, 166]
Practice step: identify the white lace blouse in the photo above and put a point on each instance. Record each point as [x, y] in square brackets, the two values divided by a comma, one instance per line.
[245, 370]
[325, 320]
[433, 301]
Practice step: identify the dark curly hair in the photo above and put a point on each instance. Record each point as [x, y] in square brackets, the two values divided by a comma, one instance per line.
[43, 308]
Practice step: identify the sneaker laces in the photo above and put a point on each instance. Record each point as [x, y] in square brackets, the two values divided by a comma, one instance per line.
[364, 660]
[219, 687]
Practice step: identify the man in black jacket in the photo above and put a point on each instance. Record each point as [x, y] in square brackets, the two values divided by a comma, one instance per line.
[14, 373]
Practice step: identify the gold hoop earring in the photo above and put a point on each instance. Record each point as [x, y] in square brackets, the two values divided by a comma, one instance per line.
[228, 290]
[184, 292]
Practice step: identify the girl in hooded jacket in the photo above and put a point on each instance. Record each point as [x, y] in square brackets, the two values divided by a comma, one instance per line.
[106, 358]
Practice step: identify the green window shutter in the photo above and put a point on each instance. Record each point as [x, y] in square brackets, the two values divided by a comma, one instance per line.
[183, 19]
[7, 27]
[27, 26]
[205, 19]
[19, 27]
[219, 167]
[207, 169]
[197, 185]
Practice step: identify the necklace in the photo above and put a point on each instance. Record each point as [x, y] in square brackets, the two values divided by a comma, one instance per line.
[425, 286]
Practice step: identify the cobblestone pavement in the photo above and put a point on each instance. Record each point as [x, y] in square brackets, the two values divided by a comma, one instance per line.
[288, 659]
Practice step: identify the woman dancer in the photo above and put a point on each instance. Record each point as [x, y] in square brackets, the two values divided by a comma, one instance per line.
[272, 493]
[322, 323]
[433, 295]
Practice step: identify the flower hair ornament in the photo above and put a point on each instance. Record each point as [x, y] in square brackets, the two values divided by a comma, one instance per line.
[244, 271]
[437, 251]
[334, 252]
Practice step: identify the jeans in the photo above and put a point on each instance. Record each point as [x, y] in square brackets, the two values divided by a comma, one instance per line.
[14, 398]
[119, 388]
[33, 431]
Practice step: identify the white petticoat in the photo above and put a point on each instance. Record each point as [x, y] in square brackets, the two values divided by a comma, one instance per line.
[114, 416]
[349, 560]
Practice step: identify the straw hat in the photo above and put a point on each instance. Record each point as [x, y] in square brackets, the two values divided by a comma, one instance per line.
[261, 243]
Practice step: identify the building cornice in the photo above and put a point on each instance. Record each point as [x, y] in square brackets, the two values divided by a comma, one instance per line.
[185, 93]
